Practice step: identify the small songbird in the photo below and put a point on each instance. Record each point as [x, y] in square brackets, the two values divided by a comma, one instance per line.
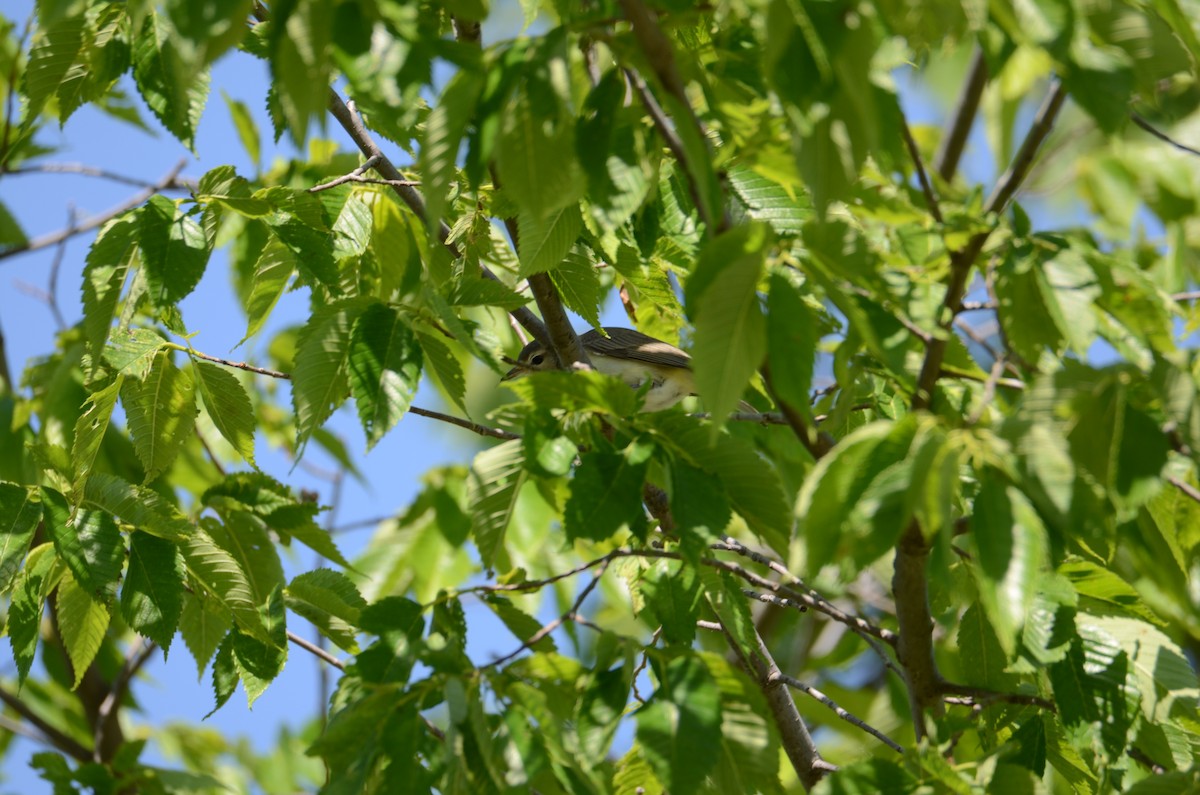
[629, 355]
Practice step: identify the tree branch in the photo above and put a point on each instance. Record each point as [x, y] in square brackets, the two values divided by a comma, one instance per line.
[89, 224]
[83, 169]
[61, 741]
[107, 714]
[316, 651]
[950, 152]
[1142, 122]
[841, 713]
[931, 198]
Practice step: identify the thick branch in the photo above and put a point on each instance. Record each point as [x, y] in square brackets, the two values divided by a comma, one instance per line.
[946, 161]
[89, 224]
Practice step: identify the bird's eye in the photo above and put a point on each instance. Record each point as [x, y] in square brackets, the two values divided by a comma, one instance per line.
[536, 360]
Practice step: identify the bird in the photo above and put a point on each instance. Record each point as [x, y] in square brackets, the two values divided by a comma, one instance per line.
[630, 355]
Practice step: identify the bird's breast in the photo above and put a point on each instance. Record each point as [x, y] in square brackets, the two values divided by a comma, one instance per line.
[669, 385]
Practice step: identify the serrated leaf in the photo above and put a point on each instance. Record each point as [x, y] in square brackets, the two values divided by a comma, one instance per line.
[132, 351]
[444, 368]
[1010, 543]
[108, 262]
[493, 486]
[58, 66]
[228, 406]
[161, 411]
[679, 730]
[221, 579]
[753, 486]
[767, 201]
[444, 131]
[247, 130]
[535, 153]
[203, 624]
[166, 82]
[635, 776]
[20, 512]
[983, 658]
[89, 433]
[225, 673]
[88, 541]
[519, 623]
[82, 622]
[331, 602]
[141, 507]
[543, 242]
[152, 594]
[272, 273]
[606, 493]
[793, 337]
[578, 283]
[301, 36]
[731, 332]
[25, 609]
[174, 248]
[385, 369]
[246, 539]
[223, 186]
[672, 592]
[319, 383]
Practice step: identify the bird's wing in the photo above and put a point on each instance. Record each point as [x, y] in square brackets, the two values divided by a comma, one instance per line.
[629, 344]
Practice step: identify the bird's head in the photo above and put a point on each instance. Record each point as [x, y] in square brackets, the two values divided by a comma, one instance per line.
[533, 358]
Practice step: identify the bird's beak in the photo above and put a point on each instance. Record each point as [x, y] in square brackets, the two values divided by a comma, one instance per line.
[516, 372]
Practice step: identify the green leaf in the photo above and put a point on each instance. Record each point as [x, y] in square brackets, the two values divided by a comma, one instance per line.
[543, 241]
[108, 262]
[444, 131]
[672, 592]
[20, 512]
[683, 716]
[634, 776]
[82, 622]
[246, 538]
[225, 673]
[272, 273]
[132, 351]
[219, 577]
[752, 485]
[161, 410]
[749, 758]
[89, 433]
[301, 35]
[38, 577]
[203, 624]
[260, 662]
[578, 283]
[11, 233]
[606, 493]
[444, 367]
[175, 251]
[228, 407]
[493, 486]
[58, 67]
[140, 507]
[601, 707]
[1010, 553]
[247, 130]
[793, 336]
[832, 519]
[331, 602]
[535, 154]
[385, 369]
[731, 332]
[983, 658]
[222, 186]
[88, 541]
[152, 595]
[319, 382]
[166, 82]
[769, 202]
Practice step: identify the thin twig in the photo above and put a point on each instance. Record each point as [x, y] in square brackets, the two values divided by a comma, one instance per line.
[366, 166]
[474, 427]
[96, 220]
[950, 152]
[841, 713]
[989, 391]
[569, 615]
[1187, 488]
[61, 741]
[236, 365]
[931, 198]
[92, 171]
[55, 266]
[1142, 122]
[641, 666]
[134, 662]
[316, 651]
